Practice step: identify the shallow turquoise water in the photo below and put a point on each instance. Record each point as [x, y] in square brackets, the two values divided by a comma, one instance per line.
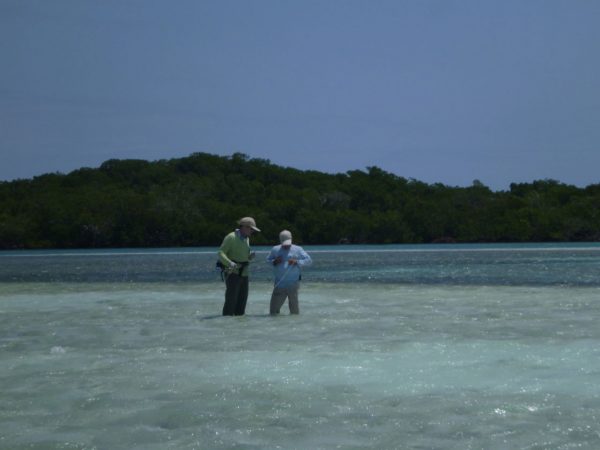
[396, 347]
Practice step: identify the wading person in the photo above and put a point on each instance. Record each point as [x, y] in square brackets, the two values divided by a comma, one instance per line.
[287, 260]
[234, 256]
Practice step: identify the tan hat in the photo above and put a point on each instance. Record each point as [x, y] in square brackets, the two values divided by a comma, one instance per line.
[285, 237]
[249, 221]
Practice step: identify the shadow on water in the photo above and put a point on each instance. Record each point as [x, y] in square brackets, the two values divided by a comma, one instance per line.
[217, 316]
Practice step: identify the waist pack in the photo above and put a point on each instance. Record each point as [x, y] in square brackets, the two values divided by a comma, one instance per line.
[238, 270]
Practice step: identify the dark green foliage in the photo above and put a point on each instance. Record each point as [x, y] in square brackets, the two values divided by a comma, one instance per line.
[195, 201]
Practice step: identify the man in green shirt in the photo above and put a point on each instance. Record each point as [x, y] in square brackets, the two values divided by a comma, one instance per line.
[235, 255]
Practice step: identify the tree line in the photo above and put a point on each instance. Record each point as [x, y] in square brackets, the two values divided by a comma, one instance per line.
[195, 201]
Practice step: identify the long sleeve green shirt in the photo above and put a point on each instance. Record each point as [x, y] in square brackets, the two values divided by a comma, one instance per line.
[236, 249]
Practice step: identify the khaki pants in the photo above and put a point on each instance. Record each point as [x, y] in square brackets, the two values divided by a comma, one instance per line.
[279, 296]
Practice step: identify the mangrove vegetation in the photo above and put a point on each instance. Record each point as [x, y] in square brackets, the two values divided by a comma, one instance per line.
[194, 201]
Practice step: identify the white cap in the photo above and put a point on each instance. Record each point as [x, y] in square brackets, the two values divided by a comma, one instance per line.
[285, 237]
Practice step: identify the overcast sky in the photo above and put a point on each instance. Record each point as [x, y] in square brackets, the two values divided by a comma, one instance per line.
[441, 91]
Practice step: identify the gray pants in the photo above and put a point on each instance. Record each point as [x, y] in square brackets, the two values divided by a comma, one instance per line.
[279, 296]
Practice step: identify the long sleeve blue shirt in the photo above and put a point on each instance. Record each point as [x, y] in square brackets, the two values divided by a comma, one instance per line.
[286, 274]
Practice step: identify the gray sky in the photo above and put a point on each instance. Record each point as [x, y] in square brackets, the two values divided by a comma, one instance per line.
[441, 91]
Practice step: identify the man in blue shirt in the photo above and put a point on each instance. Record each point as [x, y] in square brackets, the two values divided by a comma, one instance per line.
[287, 259]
